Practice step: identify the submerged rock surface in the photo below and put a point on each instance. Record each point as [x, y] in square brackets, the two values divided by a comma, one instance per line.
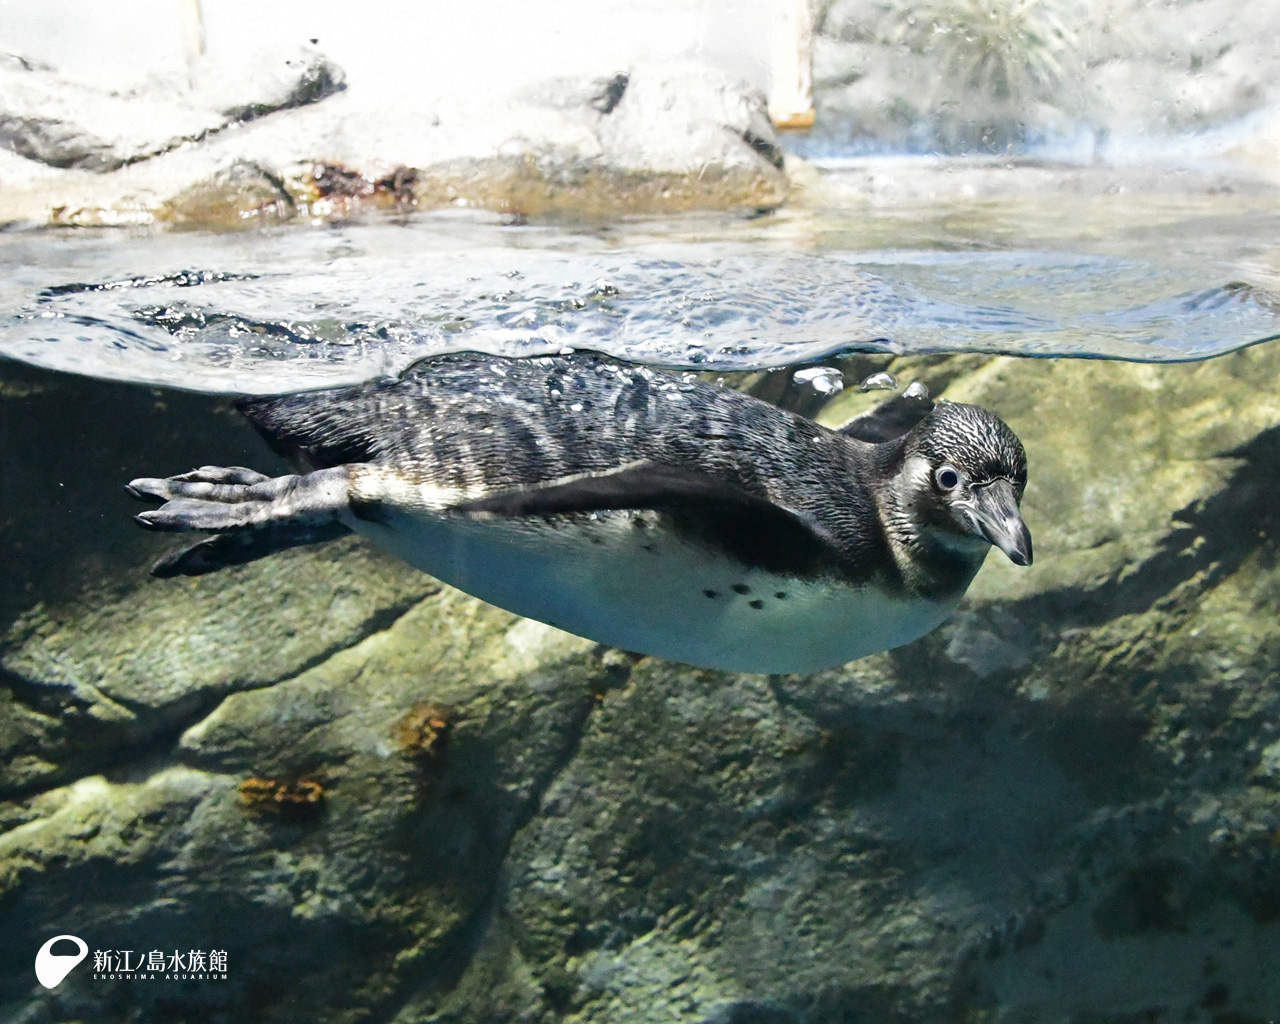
[1061, 806]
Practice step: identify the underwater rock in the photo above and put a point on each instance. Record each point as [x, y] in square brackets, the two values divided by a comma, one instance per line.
[86, 682]
[675, 137]
[94, 662]
[330, 913]
[979, 823]
[1060, 805]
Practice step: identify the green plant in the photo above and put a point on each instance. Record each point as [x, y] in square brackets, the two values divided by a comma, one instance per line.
[1010, 51]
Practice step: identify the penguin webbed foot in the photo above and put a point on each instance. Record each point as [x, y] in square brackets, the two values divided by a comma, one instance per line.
[251, 514]
[229, 485]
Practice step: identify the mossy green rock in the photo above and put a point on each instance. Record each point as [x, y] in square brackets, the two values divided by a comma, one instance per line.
[328, 907]
[966, 828]
[78, 696]
[1060, 806]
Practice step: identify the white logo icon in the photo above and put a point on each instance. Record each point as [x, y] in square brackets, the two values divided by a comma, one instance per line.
[51, 967]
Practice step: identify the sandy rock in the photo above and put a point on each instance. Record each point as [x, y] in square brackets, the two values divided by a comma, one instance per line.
[244, 195]
[650, 139]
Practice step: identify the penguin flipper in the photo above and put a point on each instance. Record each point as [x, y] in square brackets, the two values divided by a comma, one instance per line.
[889, 420]
[749, 527]
[636, 485]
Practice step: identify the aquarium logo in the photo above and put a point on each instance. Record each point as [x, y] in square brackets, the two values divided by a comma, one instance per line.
[126, 965]
[51, 967]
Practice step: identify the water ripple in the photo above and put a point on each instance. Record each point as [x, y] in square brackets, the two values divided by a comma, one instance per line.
[297, 309]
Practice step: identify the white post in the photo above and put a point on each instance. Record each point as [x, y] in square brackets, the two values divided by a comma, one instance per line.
[791, 72]
[192, 19]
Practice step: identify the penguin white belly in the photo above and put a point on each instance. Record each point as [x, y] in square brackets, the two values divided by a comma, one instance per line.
[620, 579]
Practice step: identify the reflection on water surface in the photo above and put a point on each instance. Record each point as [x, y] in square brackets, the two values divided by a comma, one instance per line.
[912, 261]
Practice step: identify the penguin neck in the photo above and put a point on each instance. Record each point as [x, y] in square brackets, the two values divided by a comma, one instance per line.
[934, 564]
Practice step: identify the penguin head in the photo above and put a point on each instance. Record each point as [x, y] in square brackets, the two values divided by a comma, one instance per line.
[964, 474]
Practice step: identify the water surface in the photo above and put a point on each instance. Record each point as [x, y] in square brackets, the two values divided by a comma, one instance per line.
[1088, 271]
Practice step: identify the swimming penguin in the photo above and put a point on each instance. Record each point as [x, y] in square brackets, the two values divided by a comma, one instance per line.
[645, 510]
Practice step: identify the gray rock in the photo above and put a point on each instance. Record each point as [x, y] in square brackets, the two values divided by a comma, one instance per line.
[50, 119]
[664, 138]
[989, 78]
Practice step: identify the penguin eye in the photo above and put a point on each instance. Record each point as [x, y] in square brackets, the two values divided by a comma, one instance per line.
[948, 478]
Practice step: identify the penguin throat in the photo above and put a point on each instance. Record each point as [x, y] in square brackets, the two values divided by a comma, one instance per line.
[935, 562]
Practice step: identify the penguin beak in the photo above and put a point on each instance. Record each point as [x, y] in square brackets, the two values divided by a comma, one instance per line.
[999, 521]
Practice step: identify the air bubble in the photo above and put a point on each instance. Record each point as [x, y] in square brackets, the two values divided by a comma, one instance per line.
[823, 379]
[879, 382]
[917, 390]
